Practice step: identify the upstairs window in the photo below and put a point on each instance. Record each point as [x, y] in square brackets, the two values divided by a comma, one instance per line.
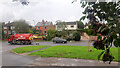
[45, 27]
[5, 27]
[72, 26]
[38, 27]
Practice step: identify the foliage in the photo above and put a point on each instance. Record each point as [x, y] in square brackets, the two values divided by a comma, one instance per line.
[79, 52]
[51, 34]
[69, 38]
[62, 33]
[60, 25]
[80, 25]
[99, 45]
[58, 34]
[31, 31]
[76, 36]
[34, 31]
[2, 33]
[21, 26]
[1, 30]
[90, 31]
[101, 12]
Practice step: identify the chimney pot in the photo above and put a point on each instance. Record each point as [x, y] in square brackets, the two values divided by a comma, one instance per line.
[42, 21]
[8, 21]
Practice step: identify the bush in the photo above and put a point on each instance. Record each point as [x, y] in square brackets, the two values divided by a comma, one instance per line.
[49, 38]
[50, 34]
[69, 38]
[76, 36]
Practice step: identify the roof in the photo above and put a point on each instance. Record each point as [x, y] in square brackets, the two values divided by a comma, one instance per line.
[69, 23]
[45, 24]
[9, 24]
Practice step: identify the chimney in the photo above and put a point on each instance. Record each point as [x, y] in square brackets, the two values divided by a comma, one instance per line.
[3, 23]
[43, 22]
[8, 21]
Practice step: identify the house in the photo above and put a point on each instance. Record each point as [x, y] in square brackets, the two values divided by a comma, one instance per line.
[67, 26]
[86, 26]
[44, 26]
[8, 28]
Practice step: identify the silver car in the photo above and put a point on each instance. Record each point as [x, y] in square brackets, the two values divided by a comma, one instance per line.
[59, 40]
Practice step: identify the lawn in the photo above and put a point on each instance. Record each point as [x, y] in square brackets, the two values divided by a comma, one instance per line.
[28, 49]
[80, 52]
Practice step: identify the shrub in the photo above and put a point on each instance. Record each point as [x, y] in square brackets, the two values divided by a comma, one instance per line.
[49, 38]
[76, 36]
[69, 38]
[50, 34]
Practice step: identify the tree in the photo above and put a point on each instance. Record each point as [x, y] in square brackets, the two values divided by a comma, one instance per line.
[60, 25]
[76, 36]
[80, 25]
[101, 12]
[34, 31]
[51, 34]
[21, 26]
[1, 31]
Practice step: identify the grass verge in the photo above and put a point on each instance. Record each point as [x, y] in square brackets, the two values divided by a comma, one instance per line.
[25, 49]
[80, 52]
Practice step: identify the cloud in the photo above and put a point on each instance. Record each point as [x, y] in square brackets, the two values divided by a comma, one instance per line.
[37, 10]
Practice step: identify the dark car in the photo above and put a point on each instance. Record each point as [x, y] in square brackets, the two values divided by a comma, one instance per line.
[59, 40]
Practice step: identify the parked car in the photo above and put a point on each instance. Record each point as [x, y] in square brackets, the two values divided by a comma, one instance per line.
[59, 40]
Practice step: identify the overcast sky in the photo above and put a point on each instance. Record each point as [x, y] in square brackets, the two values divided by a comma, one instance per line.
[50, 10]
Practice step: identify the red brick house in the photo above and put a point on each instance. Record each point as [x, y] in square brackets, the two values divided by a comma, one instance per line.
[44, 26]
[8, 28]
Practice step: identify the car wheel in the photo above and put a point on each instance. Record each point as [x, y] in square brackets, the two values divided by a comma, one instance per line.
[64, 42]
[56, 42]
[11, 43]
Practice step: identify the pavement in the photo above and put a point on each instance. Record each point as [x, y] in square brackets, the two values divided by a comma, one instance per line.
[52, 61]
[11, 59]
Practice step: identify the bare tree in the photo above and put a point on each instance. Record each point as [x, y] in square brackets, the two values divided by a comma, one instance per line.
[21, 26]
[60, 25]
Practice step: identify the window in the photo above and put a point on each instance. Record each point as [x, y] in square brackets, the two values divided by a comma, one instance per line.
[9, 32]
[5, 27]
[12, 27]
[72, 26]
[45, 27]
[5, 32]
[38, 27]
[45, 32]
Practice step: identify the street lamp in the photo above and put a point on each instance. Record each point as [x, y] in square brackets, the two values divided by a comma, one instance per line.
[34, 22]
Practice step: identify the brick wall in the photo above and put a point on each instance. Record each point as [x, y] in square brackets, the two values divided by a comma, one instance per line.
[42, 28]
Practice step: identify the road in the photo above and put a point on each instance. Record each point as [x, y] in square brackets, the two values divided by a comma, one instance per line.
[81, 43]
[11, 59]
